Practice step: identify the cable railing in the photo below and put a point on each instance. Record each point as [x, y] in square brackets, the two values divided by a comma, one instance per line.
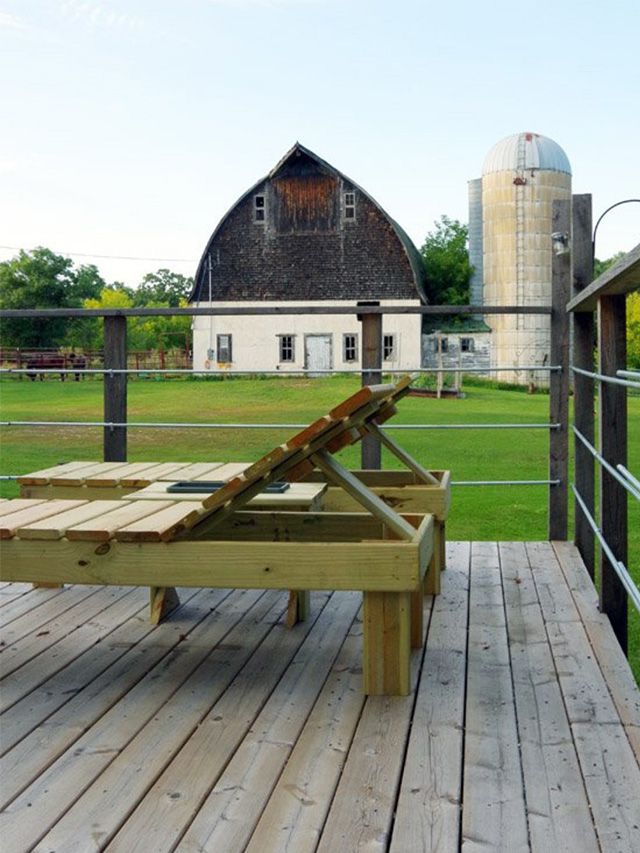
[116, 373]
[599, 312]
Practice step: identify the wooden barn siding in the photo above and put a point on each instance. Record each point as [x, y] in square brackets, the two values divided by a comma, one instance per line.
[326, 257]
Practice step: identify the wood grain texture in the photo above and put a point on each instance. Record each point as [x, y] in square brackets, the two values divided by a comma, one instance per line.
[494, 814]
[559, 380]
[612, 432]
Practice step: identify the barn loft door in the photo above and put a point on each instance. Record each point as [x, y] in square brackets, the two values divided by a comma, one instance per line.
[317, 353]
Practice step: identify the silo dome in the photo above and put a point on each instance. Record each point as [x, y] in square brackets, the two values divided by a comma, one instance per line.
[525, 151]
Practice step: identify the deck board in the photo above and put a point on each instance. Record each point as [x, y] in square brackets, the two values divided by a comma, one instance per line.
[222, 730]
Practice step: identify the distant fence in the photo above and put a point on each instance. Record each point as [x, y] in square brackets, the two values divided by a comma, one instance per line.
[174, 358]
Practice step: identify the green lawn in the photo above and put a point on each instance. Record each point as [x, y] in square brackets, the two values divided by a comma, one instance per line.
[488, 512]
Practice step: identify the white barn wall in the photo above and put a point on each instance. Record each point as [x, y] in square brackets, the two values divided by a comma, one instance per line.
[255, 342]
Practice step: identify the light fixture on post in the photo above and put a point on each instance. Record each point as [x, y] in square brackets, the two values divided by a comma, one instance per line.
[560, 241]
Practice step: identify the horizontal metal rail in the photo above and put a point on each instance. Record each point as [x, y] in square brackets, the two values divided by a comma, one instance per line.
[283, 308]
[453, 483]
[191, 425]
[506, 482]
[624, 482]
[629, 476]
[287, 372]
[628, 374]
[618, 566]
[601, 377]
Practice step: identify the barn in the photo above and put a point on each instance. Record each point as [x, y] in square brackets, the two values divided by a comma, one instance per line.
[305, 235]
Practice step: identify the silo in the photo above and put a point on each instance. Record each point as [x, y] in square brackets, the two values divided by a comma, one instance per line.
[521, 177]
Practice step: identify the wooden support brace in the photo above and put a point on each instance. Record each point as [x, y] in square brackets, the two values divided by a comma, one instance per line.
[162, 600]
[371, 502]
[419, 470]
[298, 607]
[387, 643]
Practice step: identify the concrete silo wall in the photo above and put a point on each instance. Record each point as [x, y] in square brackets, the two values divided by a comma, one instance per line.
[517, 263]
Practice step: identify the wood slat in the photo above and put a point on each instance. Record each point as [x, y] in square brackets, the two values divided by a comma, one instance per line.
[148, 475]
[79, 476]
[43, 476]
[612, 662]
[10, 522]
[55, 526]
[494, 814]
[362, 809]
[297, 808]
[17, 504]
[104, 527]
[118, 474]
[429, 809]
[163, 524]
[558, 810]
[193, 470]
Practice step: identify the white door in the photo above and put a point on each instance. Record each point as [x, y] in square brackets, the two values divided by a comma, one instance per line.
[317, 353]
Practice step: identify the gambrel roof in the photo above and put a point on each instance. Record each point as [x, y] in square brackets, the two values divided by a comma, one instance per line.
[306, 247]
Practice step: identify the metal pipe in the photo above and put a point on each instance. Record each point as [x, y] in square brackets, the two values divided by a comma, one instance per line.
[601, 377]
[191, 425]
[629, 476]
[629, 374]
[505, 482]
[289, 372]
[454, 482]
[619, 567]
[600, 458]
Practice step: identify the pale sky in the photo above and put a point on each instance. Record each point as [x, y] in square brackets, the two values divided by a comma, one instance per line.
[129, 128]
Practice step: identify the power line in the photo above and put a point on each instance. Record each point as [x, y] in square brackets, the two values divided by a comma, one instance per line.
[113, 257]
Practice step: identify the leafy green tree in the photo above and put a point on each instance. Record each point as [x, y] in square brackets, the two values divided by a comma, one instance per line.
[600, 266]
[38, 279]
[446, 259]
[163, 287]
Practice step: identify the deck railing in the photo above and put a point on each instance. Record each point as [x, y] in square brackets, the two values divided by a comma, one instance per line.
[598, 311]
[116, 422]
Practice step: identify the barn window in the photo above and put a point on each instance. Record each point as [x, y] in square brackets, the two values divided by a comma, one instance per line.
[466, 344]
[444, 344]
[258, 208]
[350, 205]
[350, 347]
[223, 346]
[388, 347]
[287, 347]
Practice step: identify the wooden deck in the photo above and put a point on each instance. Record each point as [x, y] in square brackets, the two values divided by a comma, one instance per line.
[221, 730]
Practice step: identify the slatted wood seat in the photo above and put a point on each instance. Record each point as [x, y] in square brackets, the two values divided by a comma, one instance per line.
[219, 541]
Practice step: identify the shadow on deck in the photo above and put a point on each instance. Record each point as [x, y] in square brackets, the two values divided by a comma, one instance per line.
[221, 730]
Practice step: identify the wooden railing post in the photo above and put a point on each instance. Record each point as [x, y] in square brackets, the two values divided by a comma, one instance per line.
[559, 381]
[115, 388]
[371, 375]
[612, 351]
[583, 386]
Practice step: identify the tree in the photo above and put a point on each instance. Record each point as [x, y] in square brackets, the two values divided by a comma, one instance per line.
[163, 287]
[37, 279]
[600, 266]
[446, 259]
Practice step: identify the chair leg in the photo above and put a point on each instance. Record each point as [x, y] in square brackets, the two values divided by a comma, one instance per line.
[387, 643]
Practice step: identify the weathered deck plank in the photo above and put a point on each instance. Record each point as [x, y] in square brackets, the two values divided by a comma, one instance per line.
[494, 814]
[222, 730]
[429, 806]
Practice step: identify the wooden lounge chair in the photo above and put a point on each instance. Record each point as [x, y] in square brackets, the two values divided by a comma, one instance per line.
[220, 542]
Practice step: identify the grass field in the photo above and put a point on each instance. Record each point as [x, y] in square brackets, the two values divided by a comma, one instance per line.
[487, 512]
